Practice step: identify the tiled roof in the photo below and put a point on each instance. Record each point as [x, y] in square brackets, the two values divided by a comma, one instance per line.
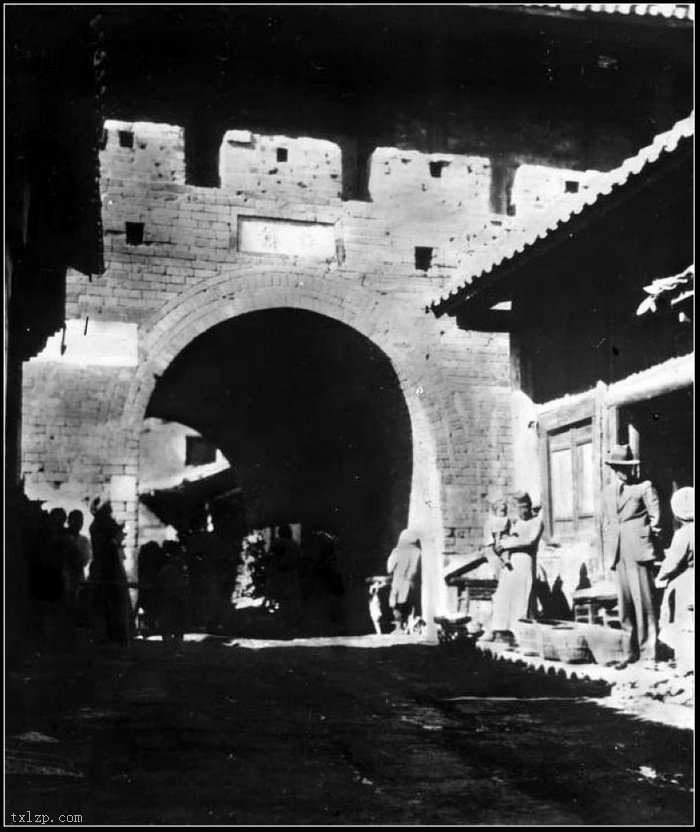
[518, 242]
[670, 11]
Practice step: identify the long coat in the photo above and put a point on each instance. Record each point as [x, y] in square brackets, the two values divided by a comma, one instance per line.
[111, 602]
[513, 597]
[403, 566]
[630, 521]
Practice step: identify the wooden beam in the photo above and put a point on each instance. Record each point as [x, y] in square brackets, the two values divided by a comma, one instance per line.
[491, 320]
[656, 381]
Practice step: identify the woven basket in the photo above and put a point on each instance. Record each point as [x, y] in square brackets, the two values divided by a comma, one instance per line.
[607, 644]
[565, 641]
[529, 637]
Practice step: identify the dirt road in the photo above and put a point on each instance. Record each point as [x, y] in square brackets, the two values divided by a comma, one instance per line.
[405, 734]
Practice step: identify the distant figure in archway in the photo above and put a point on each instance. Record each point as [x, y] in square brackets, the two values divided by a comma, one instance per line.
[77, 557]
[196, 548]
[58, 544]
[211, 560]
[322, 584]
[284, 585]
[174, 597]
[150, 562]
[404, 567]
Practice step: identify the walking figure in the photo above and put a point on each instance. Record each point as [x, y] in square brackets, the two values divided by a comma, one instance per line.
[404, 567]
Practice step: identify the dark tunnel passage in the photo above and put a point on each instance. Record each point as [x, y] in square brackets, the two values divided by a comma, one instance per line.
[311, 417]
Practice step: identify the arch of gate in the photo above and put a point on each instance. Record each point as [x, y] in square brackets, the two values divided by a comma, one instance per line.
[393, 326]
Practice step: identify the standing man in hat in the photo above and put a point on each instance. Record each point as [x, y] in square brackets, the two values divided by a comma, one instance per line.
[630, 526]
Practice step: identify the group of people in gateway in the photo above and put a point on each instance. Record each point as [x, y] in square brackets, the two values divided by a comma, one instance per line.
[76, 580]
[195, 584]
[655, 599]
[79, 583]
[81, 580]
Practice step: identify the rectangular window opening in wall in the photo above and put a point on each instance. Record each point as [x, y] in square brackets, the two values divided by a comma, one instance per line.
[571, 187]
[502, 178]
[423, 258]
[282, 154]
[126, 138]
[436, 168]
[134, 233]
[571, 479]
[199, 451]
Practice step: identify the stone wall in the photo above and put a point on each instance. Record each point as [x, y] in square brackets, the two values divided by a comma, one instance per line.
[174, 269]
[71, 437]
[291, 170]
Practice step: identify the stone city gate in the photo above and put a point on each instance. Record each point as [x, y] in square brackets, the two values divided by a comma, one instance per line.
[204, 307]
[182, 260]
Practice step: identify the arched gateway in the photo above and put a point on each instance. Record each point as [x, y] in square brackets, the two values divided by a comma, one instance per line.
[267, 298]
[182, 260]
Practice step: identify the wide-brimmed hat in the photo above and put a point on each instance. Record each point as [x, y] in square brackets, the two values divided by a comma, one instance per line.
[683, 503]
[621, 455]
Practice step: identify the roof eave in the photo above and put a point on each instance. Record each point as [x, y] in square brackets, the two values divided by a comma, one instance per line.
[483, 288]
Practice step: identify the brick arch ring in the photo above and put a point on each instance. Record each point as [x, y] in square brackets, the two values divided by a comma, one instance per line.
[193, 312]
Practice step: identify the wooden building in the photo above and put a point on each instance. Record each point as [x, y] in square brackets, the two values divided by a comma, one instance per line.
[598, 305]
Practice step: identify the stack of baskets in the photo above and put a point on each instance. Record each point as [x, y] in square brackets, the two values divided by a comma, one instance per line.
[565, 641]
[607, 644]
[559, 641]
[528, 635]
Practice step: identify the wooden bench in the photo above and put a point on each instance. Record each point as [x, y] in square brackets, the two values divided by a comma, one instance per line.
[470, 590]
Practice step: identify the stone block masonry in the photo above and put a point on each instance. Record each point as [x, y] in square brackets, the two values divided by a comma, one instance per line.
[294, 170]
[176, 267]
[71, 439]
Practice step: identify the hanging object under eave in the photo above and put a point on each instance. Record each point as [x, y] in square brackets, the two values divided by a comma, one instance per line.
[179, 505]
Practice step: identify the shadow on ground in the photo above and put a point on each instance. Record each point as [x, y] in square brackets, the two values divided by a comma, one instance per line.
[284, 734]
